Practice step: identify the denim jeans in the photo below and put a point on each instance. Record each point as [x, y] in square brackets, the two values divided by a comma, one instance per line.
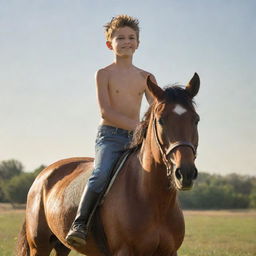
[109, 145]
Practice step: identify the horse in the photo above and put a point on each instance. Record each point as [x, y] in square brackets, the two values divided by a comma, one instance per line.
[141, 214]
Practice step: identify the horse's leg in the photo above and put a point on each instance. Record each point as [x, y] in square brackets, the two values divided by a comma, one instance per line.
[45, 246]
[39, 234]
[61, 249]
[42, 251]
[40, 242]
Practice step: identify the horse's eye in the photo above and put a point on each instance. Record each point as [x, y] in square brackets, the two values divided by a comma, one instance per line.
[161, 121]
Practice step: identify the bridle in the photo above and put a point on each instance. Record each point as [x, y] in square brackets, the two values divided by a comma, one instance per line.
[172, 146]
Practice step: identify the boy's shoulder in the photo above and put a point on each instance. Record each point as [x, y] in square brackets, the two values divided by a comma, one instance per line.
[104, 70]
[112, 67]
[103, 73]
[143, 72]
[110, 70]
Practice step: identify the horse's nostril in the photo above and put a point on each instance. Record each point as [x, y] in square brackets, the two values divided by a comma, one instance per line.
[178, 174]
[195, 174]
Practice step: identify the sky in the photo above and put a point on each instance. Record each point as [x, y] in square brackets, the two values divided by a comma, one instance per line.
[50, 51]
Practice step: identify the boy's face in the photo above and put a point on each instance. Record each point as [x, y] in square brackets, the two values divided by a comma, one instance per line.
[124, 42]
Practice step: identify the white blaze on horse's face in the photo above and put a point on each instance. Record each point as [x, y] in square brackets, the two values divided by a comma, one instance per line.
[179, 110]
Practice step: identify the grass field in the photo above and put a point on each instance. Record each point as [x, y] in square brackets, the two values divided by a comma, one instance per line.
[208, 233]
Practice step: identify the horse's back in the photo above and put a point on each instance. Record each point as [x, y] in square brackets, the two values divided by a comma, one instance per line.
[63, 175]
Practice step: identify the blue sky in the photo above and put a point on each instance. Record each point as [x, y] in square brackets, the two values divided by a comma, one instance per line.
[50, 50]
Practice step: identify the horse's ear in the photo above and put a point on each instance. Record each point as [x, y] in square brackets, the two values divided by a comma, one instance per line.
[155, 90]
[193, 86]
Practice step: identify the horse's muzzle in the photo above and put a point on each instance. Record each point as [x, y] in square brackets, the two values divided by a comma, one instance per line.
[185, 176]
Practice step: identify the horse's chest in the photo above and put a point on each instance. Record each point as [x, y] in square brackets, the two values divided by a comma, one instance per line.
[157, 241]
[154, 229]
[153, 239]
[165, 239]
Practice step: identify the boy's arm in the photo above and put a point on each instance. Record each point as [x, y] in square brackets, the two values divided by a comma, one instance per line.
[148, 95]
[107, 112]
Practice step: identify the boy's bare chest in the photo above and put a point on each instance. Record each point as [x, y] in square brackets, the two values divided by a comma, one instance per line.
[127, 85]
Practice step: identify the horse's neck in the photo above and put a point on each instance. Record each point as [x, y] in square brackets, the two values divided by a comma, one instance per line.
[153, 177]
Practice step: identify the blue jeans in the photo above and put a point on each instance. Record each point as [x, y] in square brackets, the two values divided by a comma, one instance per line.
[109, 145]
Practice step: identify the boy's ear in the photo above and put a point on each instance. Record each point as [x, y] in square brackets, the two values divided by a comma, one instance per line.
[193, 86]
[156, 91]
[109, 45]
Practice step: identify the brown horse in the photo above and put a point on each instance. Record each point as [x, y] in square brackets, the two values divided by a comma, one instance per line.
[141, 215]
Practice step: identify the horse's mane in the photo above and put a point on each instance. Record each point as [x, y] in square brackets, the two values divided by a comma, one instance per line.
[173, 94]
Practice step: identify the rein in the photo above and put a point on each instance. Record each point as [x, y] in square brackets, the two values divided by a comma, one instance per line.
[172, 146]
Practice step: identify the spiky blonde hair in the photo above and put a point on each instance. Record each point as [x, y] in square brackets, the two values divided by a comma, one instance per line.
[120, 21]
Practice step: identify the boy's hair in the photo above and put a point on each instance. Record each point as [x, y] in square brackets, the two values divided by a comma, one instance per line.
[121, 21]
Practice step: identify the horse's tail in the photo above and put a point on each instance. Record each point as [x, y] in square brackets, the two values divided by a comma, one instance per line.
[22, 248]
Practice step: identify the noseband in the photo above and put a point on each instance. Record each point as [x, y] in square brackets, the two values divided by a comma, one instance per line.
[172, 146]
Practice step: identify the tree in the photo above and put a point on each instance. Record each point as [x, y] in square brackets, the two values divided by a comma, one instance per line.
[17, 187]
[252, 198]
[241, 184]
[2, 192]
[10, 168]
[220, 192]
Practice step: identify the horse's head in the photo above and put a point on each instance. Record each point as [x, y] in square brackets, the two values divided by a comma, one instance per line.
[174, 127]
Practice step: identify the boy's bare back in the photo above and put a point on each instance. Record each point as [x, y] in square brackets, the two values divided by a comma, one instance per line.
[120, 92]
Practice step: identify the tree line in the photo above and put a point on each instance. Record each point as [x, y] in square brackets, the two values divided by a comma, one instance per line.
[211, 191]
[15, 181]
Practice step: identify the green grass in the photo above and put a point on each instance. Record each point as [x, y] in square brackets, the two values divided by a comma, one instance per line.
[228, 235]
[207, 233]
[10, 224]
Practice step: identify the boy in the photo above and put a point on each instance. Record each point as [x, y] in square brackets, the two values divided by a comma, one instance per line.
[120, 87]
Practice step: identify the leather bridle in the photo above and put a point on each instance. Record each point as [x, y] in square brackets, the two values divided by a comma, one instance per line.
[172, 146]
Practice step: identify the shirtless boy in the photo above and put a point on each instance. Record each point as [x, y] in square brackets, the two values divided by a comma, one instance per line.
[120, 88]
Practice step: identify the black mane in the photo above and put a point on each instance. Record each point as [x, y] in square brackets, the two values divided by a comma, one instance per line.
[173, 94]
